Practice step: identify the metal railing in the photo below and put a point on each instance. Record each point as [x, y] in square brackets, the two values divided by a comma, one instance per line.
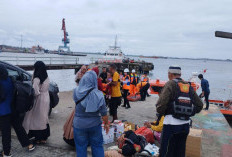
[19, 60]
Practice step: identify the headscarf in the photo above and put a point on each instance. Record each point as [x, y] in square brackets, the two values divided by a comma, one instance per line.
[3, 72]
[95, 99]
[40, 71]
[81, 72]
[96, 70]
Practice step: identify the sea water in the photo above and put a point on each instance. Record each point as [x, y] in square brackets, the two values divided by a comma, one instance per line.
[219, 73]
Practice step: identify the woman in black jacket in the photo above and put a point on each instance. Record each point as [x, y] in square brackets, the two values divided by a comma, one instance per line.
[5, 110]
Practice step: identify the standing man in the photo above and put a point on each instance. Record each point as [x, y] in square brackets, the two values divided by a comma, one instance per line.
[143, 88]
[115, 92]
[133, 82]
[126, 88]
[103, 75]
[205, 90]
[145, 78]
[178, 102]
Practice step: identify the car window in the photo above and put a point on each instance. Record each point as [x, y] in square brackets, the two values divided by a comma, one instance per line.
[13, 73]
[26, 77]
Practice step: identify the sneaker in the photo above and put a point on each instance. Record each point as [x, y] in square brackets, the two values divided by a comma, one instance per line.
[31, 148]
[3, 155]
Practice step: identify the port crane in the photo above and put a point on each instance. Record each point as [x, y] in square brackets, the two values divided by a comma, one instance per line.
[65, 39]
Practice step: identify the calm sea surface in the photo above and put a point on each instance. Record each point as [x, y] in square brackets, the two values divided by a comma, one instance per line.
[219, 73]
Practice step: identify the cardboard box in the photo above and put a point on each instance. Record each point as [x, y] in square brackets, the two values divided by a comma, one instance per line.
[193, 144]
[132, 126]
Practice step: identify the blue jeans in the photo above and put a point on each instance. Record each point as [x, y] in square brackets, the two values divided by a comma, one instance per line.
[173, 140]
[89, 136]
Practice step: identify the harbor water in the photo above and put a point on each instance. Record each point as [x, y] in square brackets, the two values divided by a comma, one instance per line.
[218, 73]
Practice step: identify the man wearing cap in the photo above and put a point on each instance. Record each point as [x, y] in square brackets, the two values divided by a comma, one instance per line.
[176, 92]
[205, 90]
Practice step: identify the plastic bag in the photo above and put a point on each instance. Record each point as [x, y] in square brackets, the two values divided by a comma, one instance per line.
[147, 133]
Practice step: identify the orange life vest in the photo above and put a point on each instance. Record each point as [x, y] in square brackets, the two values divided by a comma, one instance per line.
[126, 82]
[134, 78]
[144, 78]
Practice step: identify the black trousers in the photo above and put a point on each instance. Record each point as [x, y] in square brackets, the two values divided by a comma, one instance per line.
[114, 103]
[20, 131]
[207, 100]
[40, 134]
[143, 91]
[173, 141]
[126, 101]
[5, 127]
[206, 95]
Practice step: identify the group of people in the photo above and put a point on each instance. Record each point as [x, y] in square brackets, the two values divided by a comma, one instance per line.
[34, 128]
[177, 103]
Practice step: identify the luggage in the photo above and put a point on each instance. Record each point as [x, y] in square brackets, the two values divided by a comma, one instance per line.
[24, 97]
[147, 133]
[53, 93]
[130, 143]
[157, 136]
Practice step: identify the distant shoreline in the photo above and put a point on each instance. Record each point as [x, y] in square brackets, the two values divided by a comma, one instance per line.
[20, 50]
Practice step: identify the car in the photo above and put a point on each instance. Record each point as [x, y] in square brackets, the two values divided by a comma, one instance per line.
[25, 77]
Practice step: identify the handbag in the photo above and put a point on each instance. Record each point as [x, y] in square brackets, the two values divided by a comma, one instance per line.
[68, 135]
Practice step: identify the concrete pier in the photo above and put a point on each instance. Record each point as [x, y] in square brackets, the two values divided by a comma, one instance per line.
[216, 140]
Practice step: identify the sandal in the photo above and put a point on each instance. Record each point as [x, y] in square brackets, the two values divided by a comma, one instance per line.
[31, 147]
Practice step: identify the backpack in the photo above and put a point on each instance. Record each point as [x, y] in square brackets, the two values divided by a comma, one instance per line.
[53, 93]
[183, 107]
[23, 97]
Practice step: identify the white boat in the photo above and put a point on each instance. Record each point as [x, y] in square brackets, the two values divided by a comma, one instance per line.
[114, 52]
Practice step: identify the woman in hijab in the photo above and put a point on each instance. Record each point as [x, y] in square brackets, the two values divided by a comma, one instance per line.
[90, 109]
[36, 120]
[80, 74]
[99, 81]
[7, 90]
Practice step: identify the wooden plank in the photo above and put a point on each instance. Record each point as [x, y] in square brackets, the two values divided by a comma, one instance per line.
[221, 34]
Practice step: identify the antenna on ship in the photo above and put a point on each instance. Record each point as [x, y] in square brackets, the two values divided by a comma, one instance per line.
[115, 43]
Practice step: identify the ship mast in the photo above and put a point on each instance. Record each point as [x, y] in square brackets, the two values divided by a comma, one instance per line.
[115, 43]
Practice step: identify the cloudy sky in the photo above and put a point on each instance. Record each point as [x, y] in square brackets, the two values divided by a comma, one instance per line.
[176, 28]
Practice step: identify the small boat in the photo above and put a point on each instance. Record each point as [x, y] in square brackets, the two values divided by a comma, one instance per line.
[157, 85]
[225, 106]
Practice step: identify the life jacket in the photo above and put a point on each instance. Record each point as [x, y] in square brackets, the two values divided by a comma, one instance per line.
[181, 107]
[144, 78]
[126, 82]
[134, 79]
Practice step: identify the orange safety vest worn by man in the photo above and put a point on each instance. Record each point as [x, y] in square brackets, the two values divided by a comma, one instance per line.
[133, 82]
[126, 88]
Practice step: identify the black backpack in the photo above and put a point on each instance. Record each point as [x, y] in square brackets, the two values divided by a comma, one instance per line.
[183, 107]
[23, 97]
[53, 93]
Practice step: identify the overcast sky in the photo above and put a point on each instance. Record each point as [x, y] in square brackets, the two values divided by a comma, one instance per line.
[176, 28]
